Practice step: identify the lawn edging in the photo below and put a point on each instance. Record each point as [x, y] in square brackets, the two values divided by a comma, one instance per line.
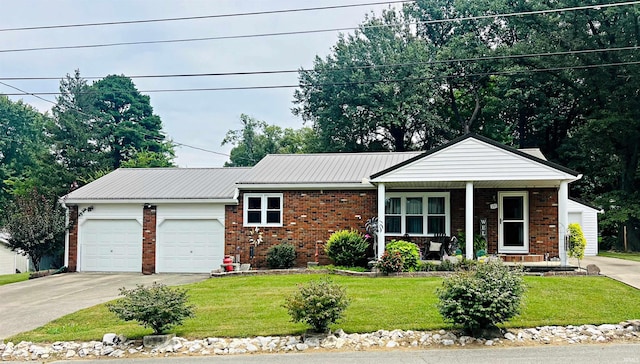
[624, 332]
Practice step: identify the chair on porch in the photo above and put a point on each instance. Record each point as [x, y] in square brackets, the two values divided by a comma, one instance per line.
[437, 247]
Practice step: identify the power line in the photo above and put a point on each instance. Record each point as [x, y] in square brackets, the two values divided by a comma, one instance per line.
[23, 92]
[229, 15]
[413, 79]
[455, 60]
[274, 34]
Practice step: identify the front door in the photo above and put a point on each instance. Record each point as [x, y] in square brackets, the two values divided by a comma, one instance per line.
[513, 221]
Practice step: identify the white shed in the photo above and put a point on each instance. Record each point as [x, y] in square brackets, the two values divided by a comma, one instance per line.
[11, 260]
[587, 217]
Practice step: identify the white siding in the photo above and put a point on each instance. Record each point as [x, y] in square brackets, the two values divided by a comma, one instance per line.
[587, 217]
[474, 160]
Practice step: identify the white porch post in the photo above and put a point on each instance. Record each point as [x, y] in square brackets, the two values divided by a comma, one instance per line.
[381, 211]
[563, 220]
[468, 221]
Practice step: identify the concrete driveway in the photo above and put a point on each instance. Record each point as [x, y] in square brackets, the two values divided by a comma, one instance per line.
[625, 271]
[30, 304]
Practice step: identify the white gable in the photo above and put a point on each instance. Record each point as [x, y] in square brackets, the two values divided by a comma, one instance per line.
[472, 159]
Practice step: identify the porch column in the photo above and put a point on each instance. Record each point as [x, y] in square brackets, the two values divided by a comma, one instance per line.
[468, 221]
[563, 220]
[381, 210]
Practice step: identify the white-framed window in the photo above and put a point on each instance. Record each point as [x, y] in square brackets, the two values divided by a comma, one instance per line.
[417, 214]
[262, 209]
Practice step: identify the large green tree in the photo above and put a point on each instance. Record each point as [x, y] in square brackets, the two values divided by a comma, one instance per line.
[99, 127]
[374, 91]
[23, 150]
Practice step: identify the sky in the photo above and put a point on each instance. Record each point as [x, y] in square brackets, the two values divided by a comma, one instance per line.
[200, 119]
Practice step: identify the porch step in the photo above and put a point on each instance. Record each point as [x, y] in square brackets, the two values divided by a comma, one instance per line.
[521, 258]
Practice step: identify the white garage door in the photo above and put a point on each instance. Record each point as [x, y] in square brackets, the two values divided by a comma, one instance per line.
[190, 246]
[111, 246]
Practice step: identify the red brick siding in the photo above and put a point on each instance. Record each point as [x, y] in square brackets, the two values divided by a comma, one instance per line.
[308, 217]
[149, 240]
[543, 221]
[311, 216]
[73, 239]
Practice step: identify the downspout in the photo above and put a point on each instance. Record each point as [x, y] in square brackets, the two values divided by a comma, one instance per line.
[66, 233]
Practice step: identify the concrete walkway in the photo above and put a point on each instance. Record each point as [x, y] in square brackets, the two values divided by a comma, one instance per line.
[30, 304]
[625, 271]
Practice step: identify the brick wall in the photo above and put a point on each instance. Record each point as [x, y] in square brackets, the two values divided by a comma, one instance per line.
[311, 216]
[73, 239]
[308, 217]
[149, 239]
[543, 221]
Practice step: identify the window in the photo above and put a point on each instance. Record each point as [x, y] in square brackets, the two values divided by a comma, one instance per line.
[417, 213]
[263, 209]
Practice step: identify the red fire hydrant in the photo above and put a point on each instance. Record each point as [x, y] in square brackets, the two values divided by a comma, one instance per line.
[228, 263]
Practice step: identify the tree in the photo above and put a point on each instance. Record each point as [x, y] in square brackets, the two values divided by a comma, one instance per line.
[256, 139]
[374, 92]
[100, 126]
[147, 159]
[22, 145]
[125, 121]
[36, 226]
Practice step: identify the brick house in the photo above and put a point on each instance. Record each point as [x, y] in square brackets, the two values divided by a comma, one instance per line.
[472, 185]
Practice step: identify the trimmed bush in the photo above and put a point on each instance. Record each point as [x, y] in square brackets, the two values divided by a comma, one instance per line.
[347, 248]
[577, 241]
[281, 256]
[482, 297]
[409, 252]
[390, 262]
[158, 306]
[319, 304]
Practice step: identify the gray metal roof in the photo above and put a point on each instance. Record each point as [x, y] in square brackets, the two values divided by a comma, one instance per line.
[162, 184]
[322, 168]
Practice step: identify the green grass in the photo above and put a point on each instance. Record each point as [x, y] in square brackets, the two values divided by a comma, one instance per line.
[13, 278]
[252, 306]
[628, 256]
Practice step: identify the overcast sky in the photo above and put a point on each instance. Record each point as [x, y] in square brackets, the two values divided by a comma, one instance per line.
[200, 118]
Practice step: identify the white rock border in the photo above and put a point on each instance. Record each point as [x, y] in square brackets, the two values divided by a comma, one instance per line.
[118, 347]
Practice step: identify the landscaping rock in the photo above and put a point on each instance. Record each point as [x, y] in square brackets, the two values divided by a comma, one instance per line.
[627, 331]
[593, 270]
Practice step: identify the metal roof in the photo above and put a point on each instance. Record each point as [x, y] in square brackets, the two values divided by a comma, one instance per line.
[322, 168]
[161, 184]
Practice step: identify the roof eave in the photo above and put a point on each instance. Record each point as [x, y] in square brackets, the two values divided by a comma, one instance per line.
[153, 201]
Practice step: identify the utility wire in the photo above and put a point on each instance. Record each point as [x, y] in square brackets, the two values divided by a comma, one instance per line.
[229, 15]
[262, 35]
[250, 73]
[412, 79]
[36, 95]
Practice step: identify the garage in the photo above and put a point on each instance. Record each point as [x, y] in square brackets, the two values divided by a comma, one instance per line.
[587, 216]
[111, 246]
[189, 246]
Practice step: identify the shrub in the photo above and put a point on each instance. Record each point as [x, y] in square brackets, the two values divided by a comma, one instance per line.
[482, 297]
[390, 262]
[281, 256]
[158, 306]
[577, 241]
[427, 267]
[319, 304]
[409, 252]
[347, 248]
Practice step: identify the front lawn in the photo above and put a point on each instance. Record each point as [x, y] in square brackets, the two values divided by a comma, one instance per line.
[252, 306]
[13, 278]
[635, 256]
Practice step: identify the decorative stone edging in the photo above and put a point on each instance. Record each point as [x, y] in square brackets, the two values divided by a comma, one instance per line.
[116, 346]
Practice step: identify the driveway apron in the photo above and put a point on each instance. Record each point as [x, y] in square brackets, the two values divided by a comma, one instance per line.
[625, 271]
[30, 304]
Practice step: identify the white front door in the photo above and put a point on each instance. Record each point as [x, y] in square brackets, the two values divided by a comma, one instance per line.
[513, 221]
